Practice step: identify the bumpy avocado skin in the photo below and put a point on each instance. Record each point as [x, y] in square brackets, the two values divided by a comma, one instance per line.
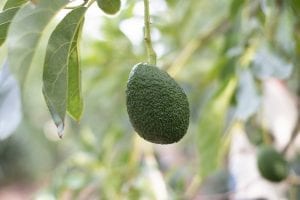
[272, 164]
[157, 106]
[110, 7]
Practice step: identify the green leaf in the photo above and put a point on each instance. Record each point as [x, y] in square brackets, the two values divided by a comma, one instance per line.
[295, 5]
[5, 19]
[25, 33]
[62, 61]
[247, 96]
[267, 63]
[10, 9]
[14, 3]
[211, 127]
[235, 7]
[75, 102]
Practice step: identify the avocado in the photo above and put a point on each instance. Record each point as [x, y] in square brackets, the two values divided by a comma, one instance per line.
[110, 7]
[271, 164]
[157, 106]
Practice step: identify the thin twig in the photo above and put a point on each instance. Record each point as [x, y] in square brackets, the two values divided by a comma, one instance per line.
[147, 34]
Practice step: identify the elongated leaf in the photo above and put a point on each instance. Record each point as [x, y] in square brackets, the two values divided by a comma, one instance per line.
[25, 33]
[61, 47]
[10, 9]
[75, 102]
[211, 128]
[14, 3]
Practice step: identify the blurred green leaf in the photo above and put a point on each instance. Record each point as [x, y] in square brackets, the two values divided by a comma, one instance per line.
[217, 183]
[5, 19]
[247, 96]
[295, 5]
[25, 33]
[14, 3]
[60, 56]
[235, 7]
[10, 9]
[268, 64]
[211, 127]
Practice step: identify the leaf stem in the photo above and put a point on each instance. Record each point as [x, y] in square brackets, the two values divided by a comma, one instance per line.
[147, 34]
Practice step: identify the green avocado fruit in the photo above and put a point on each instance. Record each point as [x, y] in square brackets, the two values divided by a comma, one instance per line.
[271, 164]
[157, 106]
[110, 7]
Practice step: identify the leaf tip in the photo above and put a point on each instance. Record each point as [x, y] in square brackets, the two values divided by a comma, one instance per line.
[60, 130]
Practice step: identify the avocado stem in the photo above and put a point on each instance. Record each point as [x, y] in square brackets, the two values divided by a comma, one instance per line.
[147, 35]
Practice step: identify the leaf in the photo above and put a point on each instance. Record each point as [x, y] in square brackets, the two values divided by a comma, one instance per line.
[25, 33]
[14, 3]
[61, 56]
[211, 128]
[10, 9]
[235, 7]
[247, 96]
[266, 64]
[10, 103]
[75, 102]
[5, 19]
[295, 5]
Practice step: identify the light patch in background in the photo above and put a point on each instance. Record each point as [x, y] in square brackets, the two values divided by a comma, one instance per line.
[133, 28]
[156, 7]
[50, 131]
[93, 22]
[10, 103]
[279, 111]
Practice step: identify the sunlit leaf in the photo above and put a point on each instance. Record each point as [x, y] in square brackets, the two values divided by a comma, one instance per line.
[61, 47]
[211, 127]
[75, 102]
[25, 33]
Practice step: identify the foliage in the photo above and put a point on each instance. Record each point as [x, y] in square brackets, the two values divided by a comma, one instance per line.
[219, 51]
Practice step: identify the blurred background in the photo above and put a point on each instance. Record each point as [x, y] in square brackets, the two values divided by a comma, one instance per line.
[238, 62]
